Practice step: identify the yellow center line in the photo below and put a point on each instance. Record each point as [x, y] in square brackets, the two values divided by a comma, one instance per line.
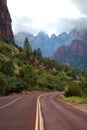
[39, 118]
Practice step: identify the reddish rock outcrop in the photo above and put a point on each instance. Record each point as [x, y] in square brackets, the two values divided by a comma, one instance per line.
[74, 54]
[5, 21]
[77, 48]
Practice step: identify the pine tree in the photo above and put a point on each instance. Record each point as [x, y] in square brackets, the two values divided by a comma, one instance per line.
[27, 47]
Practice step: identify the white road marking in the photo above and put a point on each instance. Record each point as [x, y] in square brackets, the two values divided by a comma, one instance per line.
[8, 104]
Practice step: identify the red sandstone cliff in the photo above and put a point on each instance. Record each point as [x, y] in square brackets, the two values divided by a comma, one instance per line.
[77, 48]
[5, 21]
[75, 54]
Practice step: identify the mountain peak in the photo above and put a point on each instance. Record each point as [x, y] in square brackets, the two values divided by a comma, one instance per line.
[42, 34]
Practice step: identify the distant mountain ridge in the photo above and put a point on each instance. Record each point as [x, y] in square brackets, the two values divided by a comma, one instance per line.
[48, 45]
[75, 54]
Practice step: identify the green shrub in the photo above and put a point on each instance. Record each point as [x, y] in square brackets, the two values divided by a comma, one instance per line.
[74, 90]
[3, 84]
[22, 56]
[28, 74]
[8, 68]
[10, 85]
[15, 85]
[19, 62]
[5, 49]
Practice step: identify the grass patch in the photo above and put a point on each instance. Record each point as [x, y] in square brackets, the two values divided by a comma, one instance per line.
[76, 99]
[83, 100]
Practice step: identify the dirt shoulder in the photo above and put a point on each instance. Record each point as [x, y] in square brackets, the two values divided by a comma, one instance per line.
[80, 106]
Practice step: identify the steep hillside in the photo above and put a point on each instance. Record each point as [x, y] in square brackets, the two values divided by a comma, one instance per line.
[7, 50]
[26, 70]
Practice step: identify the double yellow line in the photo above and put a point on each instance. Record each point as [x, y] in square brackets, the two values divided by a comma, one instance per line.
[39, 119]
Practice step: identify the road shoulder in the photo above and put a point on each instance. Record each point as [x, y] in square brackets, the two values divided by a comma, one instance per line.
[82, 107]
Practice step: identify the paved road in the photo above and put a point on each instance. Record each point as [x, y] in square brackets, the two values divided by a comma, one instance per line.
[60, 116]
[19, 113]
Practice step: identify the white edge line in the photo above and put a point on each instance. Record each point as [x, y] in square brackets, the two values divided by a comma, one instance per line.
[10, 102]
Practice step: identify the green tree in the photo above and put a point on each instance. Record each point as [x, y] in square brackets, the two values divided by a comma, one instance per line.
[27, 47]
[37, 52]
[28, 74]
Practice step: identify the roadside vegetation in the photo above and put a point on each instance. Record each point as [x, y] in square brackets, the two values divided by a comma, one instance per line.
[72, 99]
[24, 69]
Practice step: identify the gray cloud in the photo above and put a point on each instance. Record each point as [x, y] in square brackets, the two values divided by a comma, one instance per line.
[66, 25]
[81, 23]
[24, 24]
[62, 25]
[81, 5]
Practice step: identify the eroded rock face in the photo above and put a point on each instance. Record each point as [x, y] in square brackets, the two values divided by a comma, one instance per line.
[5, 21]
[74, 54]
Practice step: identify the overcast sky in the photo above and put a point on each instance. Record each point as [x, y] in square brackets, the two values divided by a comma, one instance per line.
[50, 16]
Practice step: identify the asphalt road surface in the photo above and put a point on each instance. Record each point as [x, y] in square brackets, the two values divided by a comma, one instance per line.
[60, 116]
[18, 112]
[24, 112]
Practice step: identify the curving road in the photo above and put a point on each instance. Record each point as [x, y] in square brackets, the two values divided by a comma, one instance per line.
[28, 112]
[60, 116]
